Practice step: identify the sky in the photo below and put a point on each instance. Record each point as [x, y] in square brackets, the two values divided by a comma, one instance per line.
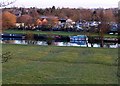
[66, 3]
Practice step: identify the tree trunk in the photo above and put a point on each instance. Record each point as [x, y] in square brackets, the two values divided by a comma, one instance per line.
[102, 42]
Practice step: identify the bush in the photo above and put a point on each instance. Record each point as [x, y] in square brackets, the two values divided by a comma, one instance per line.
[6, 56]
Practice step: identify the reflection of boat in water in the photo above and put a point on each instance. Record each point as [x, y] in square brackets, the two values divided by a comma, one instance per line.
[79, 39]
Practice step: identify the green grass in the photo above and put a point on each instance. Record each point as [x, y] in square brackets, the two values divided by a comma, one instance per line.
[55, 33]
[42, 32]
[32, 64]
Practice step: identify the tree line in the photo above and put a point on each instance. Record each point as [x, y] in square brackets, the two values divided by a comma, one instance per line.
[30, 15]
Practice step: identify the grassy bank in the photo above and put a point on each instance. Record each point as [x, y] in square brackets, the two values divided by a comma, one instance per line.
[42, 32]
[31, 64]
[55, 33]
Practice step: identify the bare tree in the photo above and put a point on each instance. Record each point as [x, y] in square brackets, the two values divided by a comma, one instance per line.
[103, 27]
[6, 3]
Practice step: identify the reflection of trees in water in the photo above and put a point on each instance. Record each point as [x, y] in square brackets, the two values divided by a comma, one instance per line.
[43, 43]
[34, 42]
[49, 42]
[108, 45]
[30, 38]
[50, 39]
[9, 41]
[65, 43]
[30, 42]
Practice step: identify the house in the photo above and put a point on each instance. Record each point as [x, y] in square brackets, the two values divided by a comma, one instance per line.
[66, 23]
[62, 20]
[20, 24]
[69, 23]
[49, 20]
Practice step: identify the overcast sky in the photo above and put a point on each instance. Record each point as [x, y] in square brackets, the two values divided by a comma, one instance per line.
[67, 3]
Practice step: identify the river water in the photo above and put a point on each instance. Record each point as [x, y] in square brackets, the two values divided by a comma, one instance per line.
[81, 41]
[44, 43]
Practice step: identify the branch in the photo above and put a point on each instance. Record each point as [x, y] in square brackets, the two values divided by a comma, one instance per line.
[3, 4]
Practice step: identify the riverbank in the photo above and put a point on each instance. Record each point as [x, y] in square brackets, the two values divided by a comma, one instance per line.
[32, 64]
[56, 33]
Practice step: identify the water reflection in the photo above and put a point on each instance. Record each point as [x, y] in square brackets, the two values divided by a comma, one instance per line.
[32, 39]
[44, 43]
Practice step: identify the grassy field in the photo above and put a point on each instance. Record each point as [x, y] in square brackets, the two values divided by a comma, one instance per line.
[55, 33]
[32, 64]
